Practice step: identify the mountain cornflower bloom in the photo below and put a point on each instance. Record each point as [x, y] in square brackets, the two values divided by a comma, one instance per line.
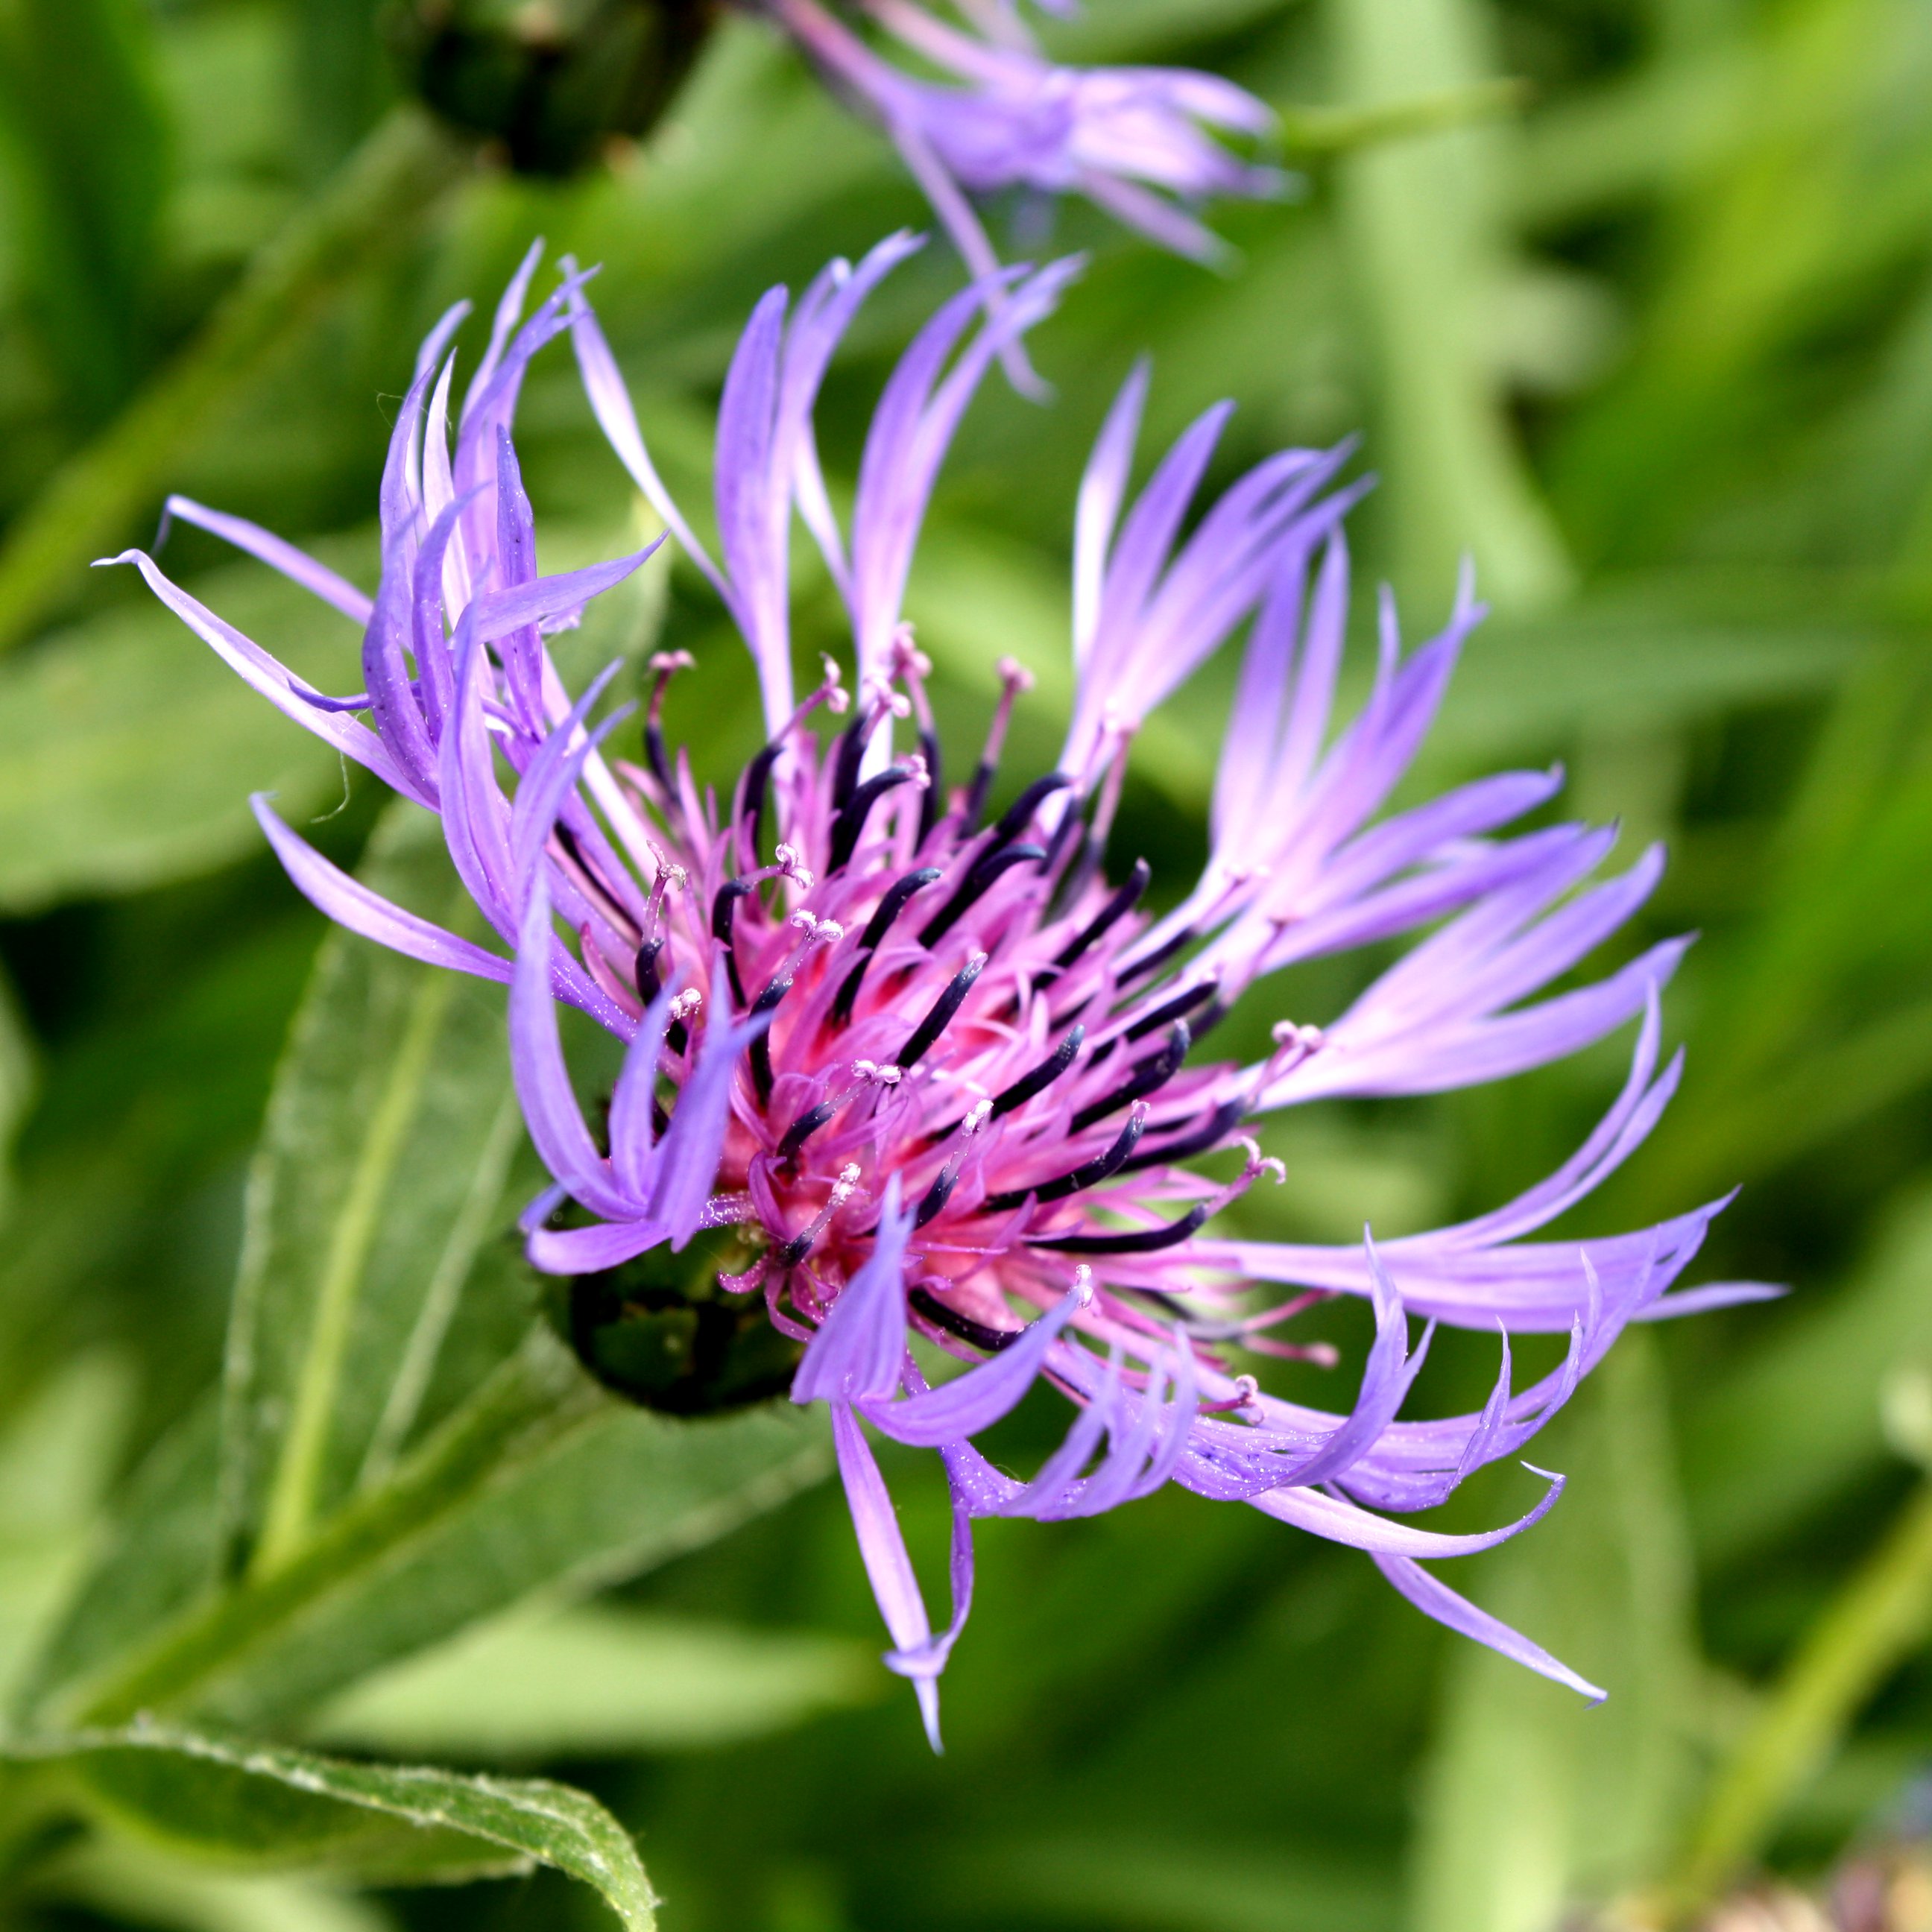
[1139, 141]
[906, 1068]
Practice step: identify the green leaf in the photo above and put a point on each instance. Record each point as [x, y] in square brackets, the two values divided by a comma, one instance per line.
[1628, 139]
[606, 1494]
[20, 1079]
[379, 1176]
[55, 1460]
[539, 1484]
[596, 1681]
[270, 1807]
[123, 1879]
[1420, 221]
[1533, 1799]
[159, 1556]
[1814, 1014]
[1643, 655]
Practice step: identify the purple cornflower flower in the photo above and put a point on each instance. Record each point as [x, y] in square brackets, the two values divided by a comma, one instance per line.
[934, 1074]
[1131, 140]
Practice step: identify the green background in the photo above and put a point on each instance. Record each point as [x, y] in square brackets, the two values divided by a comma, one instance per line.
[1649, 334]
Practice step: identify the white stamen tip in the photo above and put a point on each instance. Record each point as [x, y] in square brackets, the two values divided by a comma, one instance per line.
[981, 1112]
[1014, 675]
[1083, 1285]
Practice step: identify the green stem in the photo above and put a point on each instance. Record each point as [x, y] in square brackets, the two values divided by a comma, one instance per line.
[538, 1396]
[89, 503]
[1877, 1620]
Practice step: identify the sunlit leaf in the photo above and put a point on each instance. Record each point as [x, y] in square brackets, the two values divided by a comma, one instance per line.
[594, 1681]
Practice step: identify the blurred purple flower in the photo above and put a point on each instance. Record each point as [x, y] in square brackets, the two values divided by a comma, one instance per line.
[1132, 140]
[940, 1072]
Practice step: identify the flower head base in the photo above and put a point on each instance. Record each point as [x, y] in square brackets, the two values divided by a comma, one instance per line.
[904, 1066]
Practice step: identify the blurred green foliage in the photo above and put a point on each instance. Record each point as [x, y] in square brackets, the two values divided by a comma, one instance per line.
[1649, 333]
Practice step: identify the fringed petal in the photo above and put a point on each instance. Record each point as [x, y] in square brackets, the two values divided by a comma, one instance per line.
[351, 903]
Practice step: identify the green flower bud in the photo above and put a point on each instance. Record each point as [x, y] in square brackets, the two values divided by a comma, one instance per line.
[554, 81]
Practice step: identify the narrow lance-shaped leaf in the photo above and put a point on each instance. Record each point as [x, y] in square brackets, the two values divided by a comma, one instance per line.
[277, 1809]
[379, 1175]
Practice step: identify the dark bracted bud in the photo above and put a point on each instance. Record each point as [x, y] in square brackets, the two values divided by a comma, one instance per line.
[553, 80]
[660, 1332]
